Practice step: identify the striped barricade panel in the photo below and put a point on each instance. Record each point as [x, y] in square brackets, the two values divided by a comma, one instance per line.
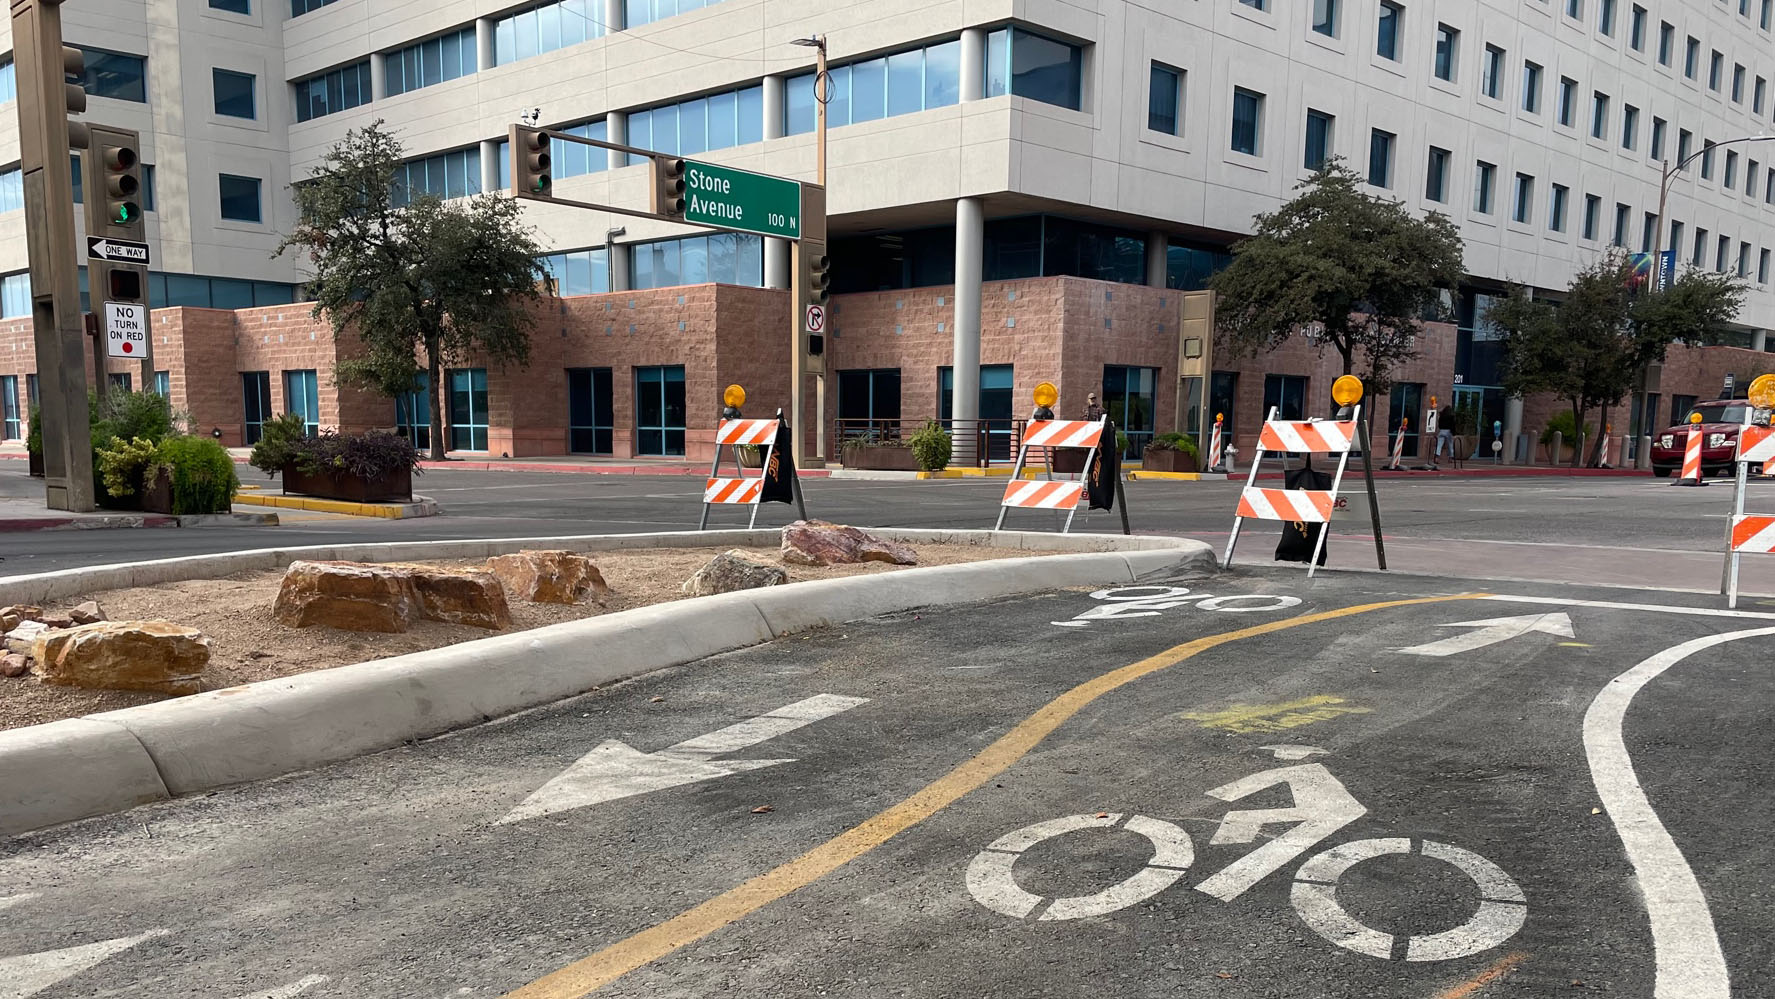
[746, 432]
[1753, 533]
[1321, 437]
[1310, 505]
[1041, 494]
[1063, 433]
[734, 491]
[1756, 444]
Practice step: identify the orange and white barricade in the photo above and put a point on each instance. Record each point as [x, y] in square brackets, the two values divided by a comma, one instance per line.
[1748, 533]
[1399, 445]
[1050, 493]
[1214, 443]
[740, 490]
[1691, 475]
[1313, 506]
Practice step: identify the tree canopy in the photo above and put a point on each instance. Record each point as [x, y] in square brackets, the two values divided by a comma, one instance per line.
[1343, 268]
[412, 276]
[1591, 347]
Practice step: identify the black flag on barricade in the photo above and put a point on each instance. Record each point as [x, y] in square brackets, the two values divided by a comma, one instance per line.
[1106, 467]
[779, 473]
[1299, 538]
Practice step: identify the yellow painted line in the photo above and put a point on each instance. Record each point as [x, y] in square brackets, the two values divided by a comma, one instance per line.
[1248, 718]
[1502, 967]
[649, 945]
[1142, 475]
[387, 511]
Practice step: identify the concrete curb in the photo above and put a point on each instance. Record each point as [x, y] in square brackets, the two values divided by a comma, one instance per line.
[116, 760]
[87, 522]
[228, 520]
[421, 506]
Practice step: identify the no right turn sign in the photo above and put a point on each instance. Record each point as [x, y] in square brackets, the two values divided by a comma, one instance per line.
[816, 319]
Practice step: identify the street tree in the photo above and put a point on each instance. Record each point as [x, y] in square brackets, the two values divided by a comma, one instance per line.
[1344, 269]
[415, 279]
[1591, 347]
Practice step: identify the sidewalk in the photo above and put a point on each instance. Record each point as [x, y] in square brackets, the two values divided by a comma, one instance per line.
[574, 464]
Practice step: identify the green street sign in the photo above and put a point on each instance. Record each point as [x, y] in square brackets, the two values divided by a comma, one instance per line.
[742, 201]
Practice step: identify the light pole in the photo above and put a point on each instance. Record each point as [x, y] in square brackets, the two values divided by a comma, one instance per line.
[610, 255]
[822, 94]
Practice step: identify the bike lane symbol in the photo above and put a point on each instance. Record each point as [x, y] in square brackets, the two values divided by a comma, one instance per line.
[1151, 601]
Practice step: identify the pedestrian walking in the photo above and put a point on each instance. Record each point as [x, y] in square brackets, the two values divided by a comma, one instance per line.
[1445, 434]
[1093, 411]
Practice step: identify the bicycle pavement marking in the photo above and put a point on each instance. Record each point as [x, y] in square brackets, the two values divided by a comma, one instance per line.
[640, 949]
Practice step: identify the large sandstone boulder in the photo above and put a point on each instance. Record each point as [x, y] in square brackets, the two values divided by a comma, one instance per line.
[349, 596]
[815, 542]
[731, 571]
[155, 656]
[459, 596]
[549, 577]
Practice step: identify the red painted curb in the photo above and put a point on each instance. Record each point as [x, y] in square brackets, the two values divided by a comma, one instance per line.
[51, 523]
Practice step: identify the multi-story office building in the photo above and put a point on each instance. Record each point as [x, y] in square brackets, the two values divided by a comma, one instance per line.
[1035, 177]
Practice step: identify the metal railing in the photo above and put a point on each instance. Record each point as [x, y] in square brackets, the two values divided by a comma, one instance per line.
[975, 443]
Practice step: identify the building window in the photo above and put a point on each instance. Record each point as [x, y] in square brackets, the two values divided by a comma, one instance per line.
[916, 80]
[300, 7]
[1380, 158]
[1531, 88]
[1029, 65]
[1436, 176]
[8, 80]
[1592, 214]
[717, 121]
[115, 75]
[1318, 144]
[869, 403]
[1129, 400]
[1599, 115]
[1676, 237]
[1556, 207]
[240, 198]
[1629, 126]
[1769, 188]
[447, 57]
[1737, 84]
[1657, 144]
[659, 410]
[1666, 41]
[1247, 121]
[1752, 171]
[1605, 18]
[1763, 267]
[720, 257]
[1706, 159]
[1768, 8]
[11, 427]
[1524, 206]
[1621, 214]
[1574, 9]
[1491, 76]
[233, 93]
[579, 272]
[1254, 4]
[1700, 255]
[1325, 17]
[540, 29]
[1446, 40]
[1731, 181]
[332, 92]
[15, 295]
[1759, 95]
[455, 174]
[12, 188]
[1692, 57]
[1685, 140]
[1636, 29]
[1647, 231]
[163, 384]
[1484, 178]
[1286, 395]
[412, 413]
[120, 381]
[1716, 70]
[639, 12]
[1568, 101]
[591, 411]
[302, 397]
[1164, 100]
[232, 6]
[1719, 257]
[468, 409]
[1386, 44]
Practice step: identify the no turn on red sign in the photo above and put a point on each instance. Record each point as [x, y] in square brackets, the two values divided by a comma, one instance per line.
[816, 319]
[126, 329]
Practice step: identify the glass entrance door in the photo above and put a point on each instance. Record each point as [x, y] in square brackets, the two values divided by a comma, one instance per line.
[659, 410]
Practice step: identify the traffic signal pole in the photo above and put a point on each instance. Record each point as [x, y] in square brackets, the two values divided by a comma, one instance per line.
[45, 99]
[117, 272]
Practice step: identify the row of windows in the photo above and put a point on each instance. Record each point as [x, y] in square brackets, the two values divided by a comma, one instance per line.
[717, 121]
[8, 80]
[721, 257]
[545, 28]
[455, 174]
[901, 83]
[435, 60]
[332, 92]
[165, 291]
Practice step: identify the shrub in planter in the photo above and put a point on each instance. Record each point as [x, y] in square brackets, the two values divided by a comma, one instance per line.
[34, 441]
[368, 468]
[278, 442]
[1171, 453]
[931, 447]
[130, 415]
[202, 474]
[123, 463]
[749, 455]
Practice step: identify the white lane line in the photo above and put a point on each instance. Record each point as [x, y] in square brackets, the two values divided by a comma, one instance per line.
[11, 900]
[1615, 605]
[287, 991]
[28, 974]
[1690, 964]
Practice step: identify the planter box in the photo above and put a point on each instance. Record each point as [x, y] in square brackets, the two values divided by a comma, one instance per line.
[893, 459]
[1167, 461]
[156, 496]
[396, 487]
[34, 460]
[749, 457]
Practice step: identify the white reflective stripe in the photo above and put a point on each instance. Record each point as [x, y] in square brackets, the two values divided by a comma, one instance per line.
[1763, 450]
[1259, 501]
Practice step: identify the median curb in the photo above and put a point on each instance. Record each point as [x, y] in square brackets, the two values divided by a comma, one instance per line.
[116, 760]
[420, 507]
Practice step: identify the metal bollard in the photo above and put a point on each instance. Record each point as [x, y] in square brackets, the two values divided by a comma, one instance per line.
[1642, 459]
[1558, 447]
[1580, 449]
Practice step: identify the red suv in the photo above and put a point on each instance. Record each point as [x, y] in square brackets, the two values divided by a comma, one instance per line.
[1720, 421]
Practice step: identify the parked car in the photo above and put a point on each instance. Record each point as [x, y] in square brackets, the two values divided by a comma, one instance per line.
[1720, 421]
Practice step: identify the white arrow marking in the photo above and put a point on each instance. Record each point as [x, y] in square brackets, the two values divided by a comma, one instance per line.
[1492, 631]
[292, 989]
[1288, 751]
[618, 770]
[29, 974]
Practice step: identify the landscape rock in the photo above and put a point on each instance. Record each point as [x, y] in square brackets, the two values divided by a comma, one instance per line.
[349, 596]
[22, 638]
[816, 542]
[549, 577]
[12, 617]
[156, 656]
[459, 596]
[732, 571]
[13, 665]
[56, 619]
[88, 613]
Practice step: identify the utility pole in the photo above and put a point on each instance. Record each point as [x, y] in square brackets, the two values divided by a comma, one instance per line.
[45, 99]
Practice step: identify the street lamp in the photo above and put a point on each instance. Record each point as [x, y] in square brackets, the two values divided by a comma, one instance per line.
[1669, 175]
[610, 255]
[822, 94]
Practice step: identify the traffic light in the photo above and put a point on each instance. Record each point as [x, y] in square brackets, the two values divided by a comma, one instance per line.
[531, 173]
[668, 186]
[121, 184]
[819, 279]
[74, 94]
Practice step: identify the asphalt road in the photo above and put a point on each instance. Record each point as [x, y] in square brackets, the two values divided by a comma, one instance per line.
[1265, 797]
[1623, 531]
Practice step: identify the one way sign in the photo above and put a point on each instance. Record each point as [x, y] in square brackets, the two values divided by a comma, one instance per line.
[117, 251]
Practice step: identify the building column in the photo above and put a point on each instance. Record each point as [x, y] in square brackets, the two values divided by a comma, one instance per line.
[973, 64]
[970, 262]
[616, 129]
[484, 42]
[613, 16]
[1759, 340]
[1158, 258]
[776, 251]
[489, 165]
[378, 76]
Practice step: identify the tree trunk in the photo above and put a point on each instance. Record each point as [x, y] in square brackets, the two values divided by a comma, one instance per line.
[1577, 435]
[435, 365]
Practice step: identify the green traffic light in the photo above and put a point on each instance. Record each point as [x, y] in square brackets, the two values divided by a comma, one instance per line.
[123, 214]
